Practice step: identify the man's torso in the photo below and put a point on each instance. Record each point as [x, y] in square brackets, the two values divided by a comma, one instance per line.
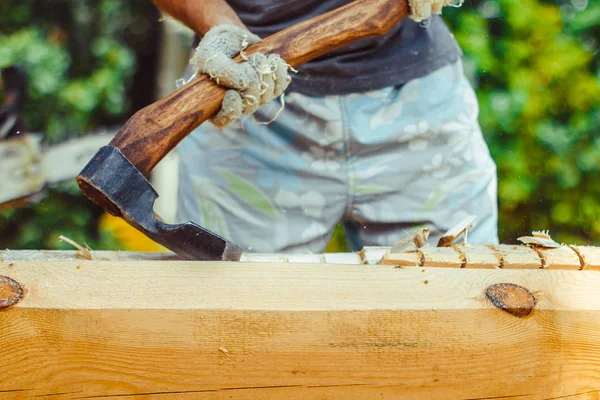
[410, 50]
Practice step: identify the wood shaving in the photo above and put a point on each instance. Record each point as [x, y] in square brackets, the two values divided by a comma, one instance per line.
[410, 243]
[539, 238]
[82, 252]
[542, 234]
[455, 232]
[224, 351]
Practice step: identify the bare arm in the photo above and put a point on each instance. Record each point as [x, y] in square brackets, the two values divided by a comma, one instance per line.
[200, 15]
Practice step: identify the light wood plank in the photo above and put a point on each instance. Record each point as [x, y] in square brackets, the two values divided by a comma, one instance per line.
[199, 330]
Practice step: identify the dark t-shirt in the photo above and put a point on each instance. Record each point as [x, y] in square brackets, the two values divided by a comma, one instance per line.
[410, 50]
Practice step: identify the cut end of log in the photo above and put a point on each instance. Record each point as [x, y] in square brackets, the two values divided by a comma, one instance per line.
[10, 292]
[513, 299]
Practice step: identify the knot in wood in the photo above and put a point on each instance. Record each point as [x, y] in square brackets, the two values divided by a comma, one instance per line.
[513, 299]
[10, 292]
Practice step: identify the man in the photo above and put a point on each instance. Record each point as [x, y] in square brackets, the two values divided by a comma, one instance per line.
[381, 135]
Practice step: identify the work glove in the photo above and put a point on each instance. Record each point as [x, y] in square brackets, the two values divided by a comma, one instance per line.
[422, 9]
[254, 82]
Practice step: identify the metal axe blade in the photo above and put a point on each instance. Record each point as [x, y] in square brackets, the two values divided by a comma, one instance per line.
[129, 195]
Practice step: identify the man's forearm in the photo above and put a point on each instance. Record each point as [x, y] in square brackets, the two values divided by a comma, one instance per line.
[200, 15]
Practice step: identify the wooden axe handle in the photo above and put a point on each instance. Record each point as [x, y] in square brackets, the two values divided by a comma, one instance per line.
[155, 130]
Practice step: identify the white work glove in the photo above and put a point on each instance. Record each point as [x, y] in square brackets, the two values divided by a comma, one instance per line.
[422, 9]
[256, 81]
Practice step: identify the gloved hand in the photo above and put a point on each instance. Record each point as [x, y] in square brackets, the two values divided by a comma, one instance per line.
[256, 81]
[422, 9]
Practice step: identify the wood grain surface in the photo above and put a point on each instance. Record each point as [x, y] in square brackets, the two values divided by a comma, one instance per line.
[225, 330]
[499, 256]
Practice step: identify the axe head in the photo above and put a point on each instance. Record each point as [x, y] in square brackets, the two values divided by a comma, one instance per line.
[111, 181]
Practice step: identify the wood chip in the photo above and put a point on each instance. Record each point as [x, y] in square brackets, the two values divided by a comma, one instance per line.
[224, 351]
[539, 238]
[83, 252]
[454, 233]
[411, 241]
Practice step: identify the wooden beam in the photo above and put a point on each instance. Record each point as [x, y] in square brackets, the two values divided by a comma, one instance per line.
[139, 328]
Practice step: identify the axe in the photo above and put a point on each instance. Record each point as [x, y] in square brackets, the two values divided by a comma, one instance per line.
[116, 177]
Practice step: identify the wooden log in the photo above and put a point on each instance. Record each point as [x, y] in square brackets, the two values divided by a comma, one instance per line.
[199, 330]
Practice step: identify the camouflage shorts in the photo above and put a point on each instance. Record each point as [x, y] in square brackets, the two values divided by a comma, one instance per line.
[381, 162]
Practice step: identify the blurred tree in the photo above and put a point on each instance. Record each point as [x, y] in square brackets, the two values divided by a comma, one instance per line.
[535, 66]
[82, 58]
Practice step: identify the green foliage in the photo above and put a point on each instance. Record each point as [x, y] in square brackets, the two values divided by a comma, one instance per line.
[80, 57]
[536, 71]
[65, 99]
